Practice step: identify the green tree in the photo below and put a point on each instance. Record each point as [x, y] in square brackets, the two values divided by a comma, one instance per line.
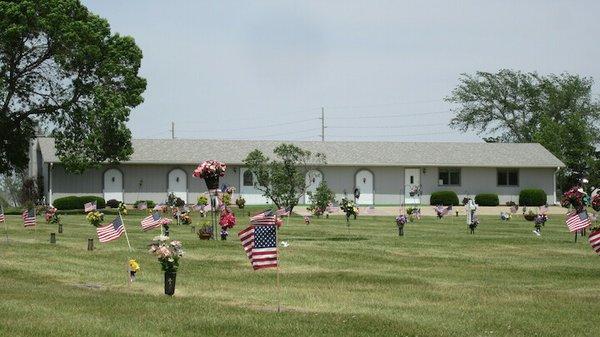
[61, 68]
[320, 199]
[283, 180]
[11, 186]
[557, 111]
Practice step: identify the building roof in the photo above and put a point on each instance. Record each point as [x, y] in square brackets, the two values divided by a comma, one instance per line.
[233, 152]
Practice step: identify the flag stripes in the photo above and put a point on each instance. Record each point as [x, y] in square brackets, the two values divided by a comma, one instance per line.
[595, 241]
[29, 219]
[150, 222]
[2, 217]
[110, 232]
[89, 206]
[576, 221]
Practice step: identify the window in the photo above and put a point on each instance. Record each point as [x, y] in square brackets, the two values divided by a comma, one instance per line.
[508, 177]
[248, 178]
[449, 176]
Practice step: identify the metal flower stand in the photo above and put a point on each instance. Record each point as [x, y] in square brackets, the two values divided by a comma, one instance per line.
[213, 212]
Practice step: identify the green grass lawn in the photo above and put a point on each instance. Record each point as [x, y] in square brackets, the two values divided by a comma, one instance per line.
[364, 280]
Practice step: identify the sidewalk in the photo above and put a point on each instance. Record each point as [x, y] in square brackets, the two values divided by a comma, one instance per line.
[428, 210]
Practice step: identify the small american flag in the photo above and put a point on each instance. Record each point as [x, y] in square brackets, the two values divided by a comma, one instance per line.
[29, 218]
[142, 206]
[442, 211]
[150, 222]
[110, 232]
[2, 217]
[89, 206]
[158, 207]
[260, 245]
[266, 216]
[595, 241]
[576, 221]
[283, 211]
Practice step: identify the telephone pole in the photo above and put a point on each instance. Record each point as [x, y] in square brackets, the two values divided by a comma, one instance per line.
[322, 124]
[172, 130]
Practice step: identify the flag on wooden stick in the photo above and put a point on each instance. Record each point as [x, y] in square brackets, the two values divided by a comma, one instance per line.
[29, 218]
[283, 212]
[152, 221]
[110, 232]
[260, 241]
[142, 206]
[89, 206]
[576, 221]
[2, 217]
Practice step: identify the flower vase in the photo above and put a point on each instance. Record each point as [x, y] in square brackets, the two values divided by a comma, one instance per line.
[400, 230]
[212, 183]
[170, 278]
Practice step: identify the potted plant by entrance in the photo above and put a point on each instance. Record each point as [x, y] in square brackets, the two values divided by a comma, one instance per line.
[210, 171]
[168, 254]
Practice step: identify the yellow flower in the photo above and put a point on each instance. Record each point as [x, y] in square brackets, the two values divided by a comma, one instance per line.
[134, 265]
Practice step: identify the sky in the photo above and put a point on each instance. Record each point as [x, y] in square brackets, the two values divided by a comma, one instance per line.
[379, 69]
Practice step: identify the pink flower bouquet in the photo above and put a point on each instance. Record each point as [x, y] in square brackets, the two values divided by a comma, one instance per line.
[210, 171]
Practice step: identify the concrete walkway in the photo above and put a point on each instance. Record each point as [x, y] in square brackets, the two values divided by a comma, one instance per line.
[428, 210]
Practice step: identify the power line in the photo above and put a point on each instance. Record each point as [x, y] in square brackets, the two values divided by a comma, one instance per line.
[387, 127]
[381, 104]
[266, 126]
[395, 135]
[394, 115]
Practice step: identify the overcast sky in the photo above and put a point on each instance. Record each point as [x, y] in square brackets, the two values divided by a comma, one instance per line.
[263, 69]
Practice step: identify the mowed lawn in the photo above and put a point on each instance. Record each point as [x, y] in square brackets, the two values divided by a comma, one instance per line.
[437, 280]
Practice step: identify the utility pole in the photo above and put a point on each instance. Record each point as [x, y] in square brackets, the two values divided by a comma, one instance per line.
[172, 130]
[322, 124]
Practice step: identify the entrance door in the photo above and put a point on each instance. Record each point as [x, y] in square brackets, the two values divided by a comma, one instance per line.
[178, 184]
[247, 190]
[364, 184]
[412, 186]
[313, 180]
[113, 185]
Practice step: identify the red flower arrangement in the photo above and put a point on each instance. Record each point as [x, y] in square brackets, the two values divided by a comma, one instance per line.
[574, 197]
[210, 169]
[227, 219]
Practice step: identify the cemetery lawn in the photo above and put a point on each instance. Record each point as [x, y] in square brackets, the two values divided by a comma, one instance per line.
[437, 280]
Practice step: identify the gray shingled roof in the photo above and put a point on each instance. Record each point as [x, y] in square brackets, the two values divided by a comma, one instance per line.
[232, 152]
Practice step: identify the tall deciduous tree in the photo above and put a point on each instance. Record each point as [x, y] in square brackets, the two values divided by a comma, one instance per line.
[61, 67]
[283, 180]
[557, 111]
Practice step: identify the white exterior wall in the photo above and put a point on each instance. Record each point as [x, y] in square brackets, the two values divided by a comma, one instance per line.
[388, 182]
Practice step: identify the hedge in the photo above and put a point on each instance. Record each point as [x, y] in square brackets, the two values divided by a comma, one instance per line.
[149, 203]
[532, 197]
[113, 203]
[445, 198]
[487, 199]
[75, 202]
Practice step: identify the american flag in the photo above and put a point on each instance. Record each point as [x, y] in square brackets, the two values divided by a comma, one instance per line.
[577, 221]
[110, 232]
[595, 241]
[260, 245]
[150, 222]
[283, 211]
[89, 206]
[29, 218]
[158, 207]
[142, 206]
[2, 218]
[268, 214]
[441, 210]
